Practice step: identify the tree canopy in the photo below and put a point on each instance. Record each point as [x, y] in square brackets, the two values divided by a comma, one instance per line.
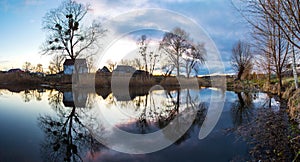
[181, 50]
[67, 34]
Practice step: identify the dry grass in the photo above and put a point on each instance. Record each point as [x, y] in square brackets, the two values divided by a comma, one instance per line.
[99, 80]
[19, 78]
[174, 81]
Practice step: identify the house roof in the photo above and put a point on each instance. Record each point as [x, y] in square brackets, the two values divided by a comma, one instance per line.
[105, 69]
[125, 68]
[78, 61]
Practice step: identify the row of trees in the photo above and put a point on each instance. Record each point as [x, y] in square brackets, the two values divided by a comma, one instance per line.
[69, 38]
[28, 67]
[55, 66]
[176, 52]
[276, 33]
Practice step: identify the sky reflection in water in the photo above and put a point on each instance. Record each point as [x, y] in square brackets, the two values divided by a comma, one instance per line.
[45, 125]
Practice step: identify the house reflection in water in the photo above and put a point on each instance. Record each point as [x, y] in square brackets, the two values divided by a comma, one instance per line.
[75, 99]
[129, 94]
[123, 95]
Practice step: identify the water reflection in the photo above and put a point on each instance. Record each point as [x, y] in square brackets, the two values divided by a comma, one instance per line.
[68, 124]
[242, 108]
[67, 138]
[268, 134]
[28, 95]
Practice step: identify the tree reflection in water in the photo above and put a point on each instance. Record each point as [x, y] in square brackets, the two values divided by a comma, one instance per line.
[268, 135]
[242, 108]
[27, 95]
[67, 138]
[264, 128]
[181, 101]
[155, 114]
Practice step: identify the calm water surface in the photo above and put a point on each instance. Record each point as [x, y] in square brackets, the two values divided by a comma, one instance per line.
[52, 125]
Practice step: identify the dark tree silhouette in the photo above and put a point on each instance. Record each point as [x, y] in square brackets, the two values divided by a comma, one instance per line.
[178, 45]
[66, 33]
[149, 57]
[241, 59]
[56, 64]
[242, 109]
[67, 138]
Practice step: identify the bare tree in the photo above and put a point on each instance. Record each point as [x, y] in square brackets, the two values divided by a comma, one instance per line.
[294, 67]
[175, 44]
[111, 65]
[39, 68]
[279, 56]
[285, 13]
[182, 51]
[27, 66]
[56, 64]
[138, 63]
[241, 59]
[281, 19]
[149, 57]
[193, 56]
[91, 64]
[128, 62]
[66, 34]
[262, 44]
[168, 69]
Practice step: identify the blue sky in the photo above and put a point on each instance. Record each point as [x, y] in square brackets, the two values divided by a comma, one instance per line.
[22, 34]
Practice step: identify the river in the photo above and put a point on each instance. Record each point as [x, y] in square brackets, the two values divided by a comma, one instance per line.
[140, 125]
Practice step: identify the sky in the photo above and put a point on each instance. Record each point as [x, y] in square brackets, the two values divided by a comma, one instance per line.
[22, 34]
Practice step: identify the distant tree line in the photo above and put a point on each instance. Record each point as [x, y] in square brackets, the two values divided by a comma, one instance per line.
[176, 54]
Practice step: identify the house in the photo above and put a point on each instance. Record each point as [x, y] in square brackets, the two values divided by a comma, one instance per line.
[15, 71]
[103, 70]
[123, 95]
[81, 66]
[124, 69]
[141, 73]
[289, 70]
[75, 99]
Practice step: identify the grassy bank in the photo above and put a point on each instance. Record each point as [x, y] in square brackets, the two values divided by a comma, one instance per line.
[20, 78]
[100, 80]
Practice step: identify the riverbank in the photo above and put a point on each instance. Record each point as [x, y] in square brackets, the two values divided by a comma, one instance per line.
[99, 80]
[290, 95]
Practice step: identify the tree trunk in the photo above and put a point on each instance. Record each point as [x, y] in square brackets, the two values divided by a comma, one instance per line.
[240, 73]
[269, 74]
[294, 68]
[178, 68]
[279, 87]
[241, 100]
[177, 101]
[187, 70]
